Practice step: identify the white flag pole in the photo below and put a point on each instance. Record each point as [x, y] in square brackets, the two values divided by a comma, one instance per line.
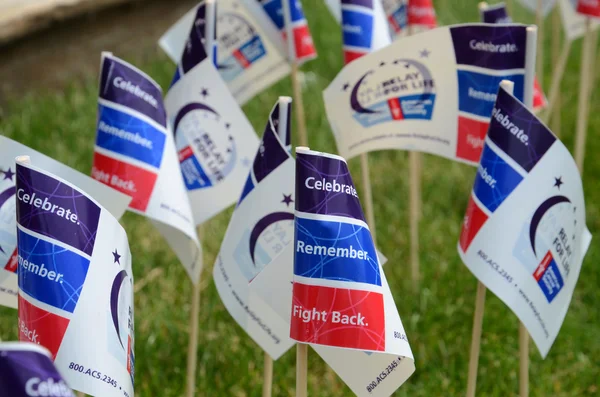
[556, 45]
[414, 180]
[296, 86]
[530, 61]
[209, 30]
[585, 90]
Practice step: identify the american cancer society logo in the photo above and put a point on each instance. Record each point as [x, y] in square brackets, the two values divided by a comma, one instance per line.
[239, 45]
[401, 89]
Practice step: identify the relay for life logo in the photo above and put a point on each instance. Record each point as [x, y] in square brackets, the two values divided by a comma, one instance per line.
[403, 89]
[239, 44]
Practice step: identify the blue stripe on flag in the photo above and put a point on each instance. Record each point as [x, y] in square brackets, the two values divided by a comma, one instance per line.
[49, 273]
[477, 91]
[495, 179]
[335, 251]
[125, 134]
[357, 29]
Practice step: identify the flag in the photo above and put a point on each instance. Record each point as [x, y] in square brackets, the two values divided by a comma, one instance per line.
[590, 8]
[135, 154]
[497, 13]
[251, 52]
[524, 234]
[260, 228]
[405, 95]
[363, 28]
[213, 138]
[396, 14]
[27, 370]
[532, 6]
[75, 283]
[116, 203]
[340, 296]
[574, 22]
[303, 42]
[421, 15]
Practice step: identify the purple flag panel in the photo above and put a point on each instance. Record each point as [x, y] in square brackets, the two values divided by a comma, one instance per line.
[26, 370]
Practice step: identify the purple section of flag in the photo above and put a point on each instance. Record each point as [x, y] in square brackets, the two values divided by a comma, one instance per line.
[194, 51]
[25, 372]
[270, 156]
[361, 3]
[56, 210]
[490, 47]
[518, 132]
[324, 186]
[122, 84]
[495, 14]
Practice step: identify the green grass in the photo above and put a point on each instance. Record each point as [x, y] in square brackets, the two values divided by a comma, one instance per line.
[437, 318]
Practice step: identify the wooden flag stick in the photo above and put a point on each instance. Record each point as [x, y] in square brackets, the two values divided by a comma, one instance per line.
[299, 105]
[556, 45]
[368, 194]
[530, 60]
[557, 75]
[414, 180]
[414, 208]
[301, 370]
[583, 107]
[192, 355]
[509, 86]
[476, 339]
[267, 375]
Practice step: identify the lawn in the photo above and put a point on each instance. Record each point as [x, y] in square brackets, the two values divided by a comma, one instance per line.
[437, 317]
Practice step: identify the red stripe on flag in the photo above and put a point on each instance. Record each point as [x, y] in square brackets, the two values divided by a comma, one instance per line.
[474, 220]
[128, 353]
[541, 269]
[587, 7]
[395, 109]
[12, 263]
[241, 59]
[539, 99]
[350, 56]
[305, 48]
[394, 24]
[185, 153]
[126, 178]
[338, 317]
[41, 327]
[470, 139]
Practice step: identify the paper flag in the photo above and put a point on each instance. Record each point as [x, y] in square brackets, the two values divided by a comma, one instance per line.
[260, 228]
[116, 203]
[573, 22]
[341, 298]
[405, 95]
[213, 138]
[363, 28]
[497, 13]
[303, 42]
[135, 154]
[251, 52]
[421, 15]
[524, 233]
[397, 16]
[532, 5]
[27, 370]
[589, 8]
[75, 283]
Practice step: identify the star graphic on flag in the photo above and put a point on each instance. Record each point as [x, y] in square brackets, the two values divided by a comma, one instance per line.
[227, 125]
[557, 182]
[287, 199]
[1, 250]
[8, 174]
[382, 64]
[396, 62]
[425, 53]
[406, 65]
[228, 150]
[116, 257]
[204, 92]
[346, 86]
